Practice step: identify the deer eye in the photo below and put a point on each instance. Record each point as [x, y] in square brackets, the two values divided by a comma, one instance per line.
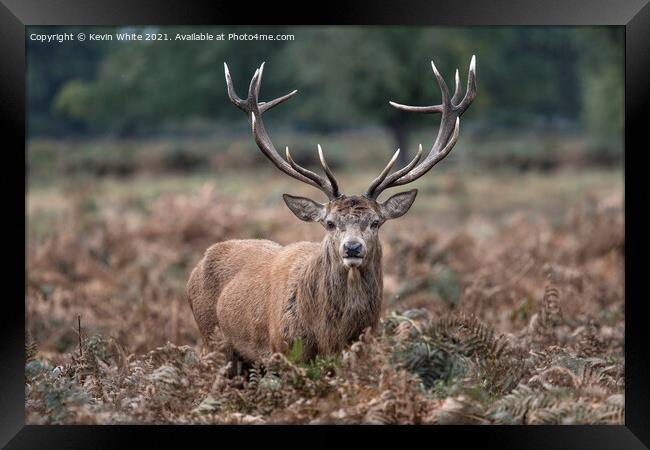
[374, 224]
[330, 225]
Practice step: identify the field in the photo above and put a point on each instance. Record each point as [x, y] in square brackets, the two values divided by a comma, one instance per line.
[503, 301]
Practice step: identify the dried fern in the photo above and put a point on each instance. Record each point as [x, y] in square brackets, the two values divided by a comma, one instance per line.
[31, 350]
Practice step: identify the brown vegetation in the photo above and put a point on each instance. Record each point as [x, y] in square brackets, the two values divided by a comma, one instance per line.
[516, 319]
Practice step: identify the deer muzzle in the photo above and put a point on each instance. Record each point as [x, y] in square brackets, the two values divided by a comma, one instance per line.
[352, 252]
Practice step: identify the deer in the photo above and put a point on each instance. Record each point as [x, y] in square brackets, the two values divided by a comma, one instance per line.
[263, 297]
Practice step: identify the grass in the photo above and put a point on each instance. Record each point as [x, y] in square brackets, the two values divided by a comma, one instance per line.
[448, 196]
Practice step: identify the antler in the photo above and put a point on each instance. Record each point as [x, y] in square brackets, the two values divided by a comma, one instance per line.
[254, 108]
[451, 110]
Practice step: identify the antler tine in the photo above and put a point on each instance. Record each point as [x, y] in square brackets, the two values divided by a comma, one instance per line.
[382, 176]
[328, 172]
[433, 158]
[254, 86]
[456, 96]
[314, 176]
[265, 106]
[383, 180]
[417, 109]
[470, 95]
[232, 95]
[406, 169]
[251, 105]
[444, 90]
[306, 172]
[448, 131]
[258, 80]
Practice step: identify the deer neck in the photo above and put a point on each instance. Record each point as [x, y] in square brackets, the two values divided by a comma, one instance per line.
[338, 303]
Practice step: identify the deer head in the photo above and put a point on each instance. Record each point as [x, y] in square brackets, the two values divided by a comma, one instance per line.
[352, 222]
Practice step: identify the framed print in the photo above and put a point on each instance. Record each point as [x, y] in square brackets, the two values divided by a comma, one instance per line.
[208, 241]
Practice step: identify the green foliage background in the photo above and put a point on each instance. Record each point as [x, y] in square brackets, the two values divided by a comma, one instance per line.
[529, 78]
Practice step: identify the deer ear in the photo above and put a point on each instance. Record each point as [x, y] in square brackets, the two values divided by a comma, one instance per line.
[398, 205]
[304, 208]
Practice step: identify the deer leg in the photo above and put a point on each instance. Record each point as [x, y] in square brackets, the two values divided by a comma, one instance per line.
[310, 351]
[237, 365]
[231, 361]
[246, 366]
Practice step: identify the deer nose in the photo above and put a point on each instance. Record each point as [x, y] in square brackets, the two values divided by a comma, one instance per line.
[352, 249]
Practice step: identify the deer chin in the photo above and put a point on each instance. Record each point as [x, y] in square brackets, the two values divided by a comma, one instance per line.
[352, 262]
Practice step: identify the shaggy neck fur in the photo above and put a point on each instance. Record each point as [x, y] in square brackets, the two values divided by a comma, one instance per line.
[335, 303]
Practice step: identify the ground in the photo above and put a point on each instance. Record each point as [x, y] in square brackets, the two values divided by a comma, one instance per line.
[503, 303]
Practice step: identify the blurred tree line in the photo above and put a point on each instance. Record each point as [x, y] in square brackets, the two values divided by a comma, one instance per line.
[560, 78]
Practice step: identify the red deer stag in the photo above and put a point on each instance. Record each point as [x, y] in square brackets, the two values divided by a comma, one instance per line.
[263, 296]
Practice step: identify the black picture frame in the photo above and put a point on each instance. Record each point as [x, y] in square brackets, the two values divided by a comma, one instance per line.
[633, 15]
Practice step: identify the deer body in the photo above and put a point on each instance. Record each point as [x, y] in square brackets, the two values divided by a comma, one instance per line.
[263, 296]
[264, 301]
